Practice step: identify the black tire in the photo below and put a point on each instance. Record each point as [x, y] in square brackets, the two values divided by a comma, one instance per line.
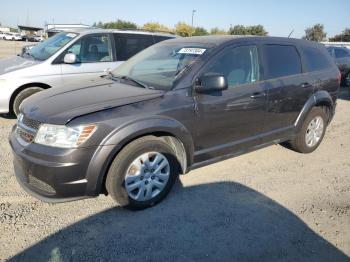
[298, 143]
[115, 181]
[25, 93]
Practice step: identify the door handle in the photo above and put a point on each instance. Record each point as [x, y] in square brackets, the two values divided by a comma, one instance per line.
[306, 85]
[257, 95]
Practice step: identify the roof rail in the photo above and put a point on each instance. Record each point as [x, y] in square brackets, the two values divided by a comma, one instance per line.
[141, 30]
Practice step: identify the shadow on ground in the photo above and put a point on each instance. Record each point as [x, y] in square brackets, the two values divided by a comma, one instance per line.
[210, 222]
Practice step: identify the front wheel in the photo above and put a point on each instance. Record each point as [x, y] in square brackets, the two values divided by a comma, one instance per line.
[312, 131]
[23, 95]
[143, 173]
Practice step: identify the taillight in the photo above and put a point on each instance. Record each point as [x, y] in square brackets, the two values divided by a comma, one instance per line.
[338, 78]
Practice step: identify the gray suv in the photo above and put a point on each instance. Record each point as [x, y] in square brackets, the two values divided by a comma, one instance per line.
[68, 58]
[176, 106]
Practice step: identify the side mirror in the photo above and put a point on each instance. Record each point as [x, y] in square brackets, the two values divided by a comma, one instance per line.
[70, 58]
[211, 82]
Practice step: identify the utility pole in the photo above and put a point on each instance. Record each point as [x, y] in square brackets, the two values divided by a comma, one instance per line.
[193, 11]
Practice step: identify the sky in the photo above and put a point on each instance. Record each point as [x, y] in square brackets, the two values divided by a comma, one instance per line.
[279, 17]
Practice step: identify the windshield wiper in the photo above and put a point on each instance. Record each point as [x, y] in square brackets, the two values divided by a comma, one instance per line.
[28, 55]
[128, 78]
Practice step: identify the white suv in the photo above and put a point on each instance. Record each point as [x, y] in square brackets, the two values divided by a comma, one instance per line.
[13, 37]
[68, 58]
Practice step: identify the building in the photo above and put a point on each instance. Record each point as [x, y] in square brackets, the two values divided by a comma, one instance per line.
[52, 29]
[340, 44]
[30, 30]
[5, 29]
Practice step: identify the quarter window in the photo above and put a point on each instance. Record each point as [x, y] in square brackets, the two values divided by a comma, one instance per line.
[281, 60]
[314, 59]
[240, 65]
[93, 48]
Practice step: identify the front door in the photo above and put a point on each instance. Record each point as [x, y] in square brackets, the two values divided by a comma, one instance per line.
[231, 120]
[94, 55]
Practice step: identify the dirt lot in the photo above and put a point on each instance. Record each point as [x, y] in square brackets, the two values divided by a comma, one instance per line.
[8, 48]
[272, 204]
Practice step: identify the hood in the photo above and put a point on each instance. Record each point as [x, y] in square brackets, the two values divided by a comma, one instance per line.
[14, 63]
[60, 105]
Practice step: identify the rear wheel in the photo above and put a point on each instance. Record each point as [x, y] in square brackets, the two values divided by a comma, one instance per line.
[312, 131]
[23, 95]
[143, 173]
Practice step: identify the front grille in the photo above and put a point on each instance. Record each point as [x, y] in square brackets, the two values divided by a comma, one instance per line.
[34, 124]
[26, 136]
[27, 128]
[41, 185]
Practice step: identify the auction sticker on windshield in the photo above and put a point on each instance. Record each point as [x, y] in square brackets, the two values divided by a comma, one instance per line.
[71, 35]
[192, 50]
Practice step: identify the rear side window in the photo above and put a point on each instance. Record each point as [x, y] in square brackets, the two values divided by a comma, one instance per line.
[158, 38]
[128, 45]
[314, 59]
[341, 52]
[281, 60]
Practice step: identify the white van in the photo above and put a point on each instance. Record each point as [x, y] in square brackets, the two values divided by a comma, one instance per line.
[67, 58]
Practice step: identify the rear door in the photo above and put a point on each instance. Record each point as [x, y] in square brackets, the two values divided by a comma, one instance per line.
[94, 55]
[231, 120]
[288, 89]
[129, 44]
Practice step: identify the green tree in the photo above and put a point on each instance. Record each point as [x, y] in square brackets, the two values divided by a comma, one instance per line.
[217, 31]
[120, 24]
[315, 33]
[154, 26]
[248, 30]
[198, 31]
[238, 30]
[343, 37]
[183, 29]
[99, 24]
[257, 30]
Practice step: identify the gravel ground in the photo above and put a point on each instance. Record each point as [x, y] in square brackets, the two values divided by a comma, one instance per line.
[272, 204]
[8, 48]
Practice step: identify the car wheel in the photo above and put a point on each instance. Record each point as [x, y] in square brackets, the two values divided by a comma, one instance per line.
[312, 131]
[25, 93]
[143, 173]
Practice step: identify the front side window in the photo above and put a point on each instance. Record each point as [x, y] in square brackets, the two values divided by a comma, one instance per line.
[128, 45]
[341, 53]
[46, 49]
[92, 49]
[281, 60]
[160, 65]
[240, 65]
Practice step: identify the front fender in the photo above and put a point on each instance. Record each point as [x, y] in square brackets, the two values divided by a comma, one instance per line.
[319, 98]
[121, 136]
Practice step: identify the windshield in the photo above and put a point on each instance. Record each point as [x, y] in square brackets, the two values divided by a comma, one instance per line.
[49, 47]
[160, 65]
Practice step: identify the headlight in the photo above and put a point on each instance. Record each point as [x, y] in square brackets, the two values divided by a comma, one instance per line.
[63, 136]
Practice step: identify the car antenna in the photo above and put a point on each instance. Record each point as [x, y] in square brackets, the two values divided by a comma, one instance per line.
[291, 33]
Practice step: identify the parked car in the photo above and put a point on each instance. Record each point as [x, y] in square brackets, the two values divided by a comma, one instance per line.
[341, 56]
[66, 58]
[173, 107]
[25, 49]
[13, 37]
[2, 35]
